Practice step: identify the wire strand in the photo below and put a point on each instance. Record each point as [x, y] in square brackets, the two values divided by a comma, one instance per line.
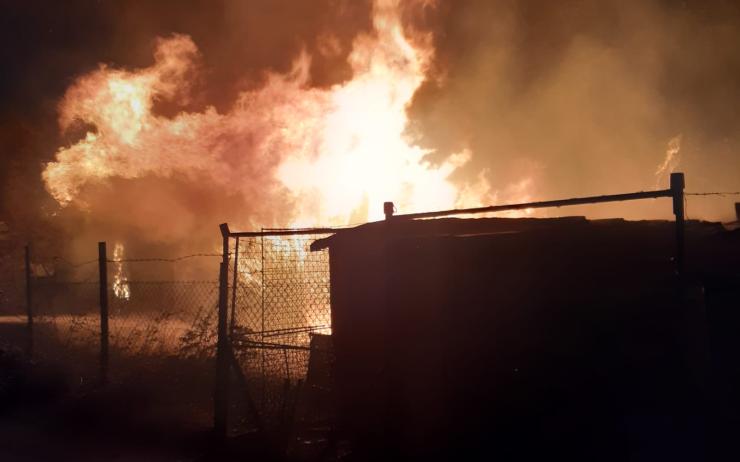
[169, 260]
[727, 193]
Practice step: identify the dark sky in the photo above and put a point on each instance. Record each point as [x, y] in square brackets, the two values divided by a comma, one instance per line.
[46, 44]
[575, 94]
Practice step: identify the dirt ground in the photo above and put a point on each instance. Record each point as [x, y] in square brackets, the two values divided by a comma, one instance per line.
[43, 418]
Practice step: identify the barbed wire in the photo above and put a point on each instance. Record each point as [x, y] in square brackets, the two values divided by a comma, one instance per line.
[74, 265]
[173, 281]
[717, 193]
[57, 259]
[167, 260]
[70, 264]
[726, 193]
[686, 207]
[196, 255]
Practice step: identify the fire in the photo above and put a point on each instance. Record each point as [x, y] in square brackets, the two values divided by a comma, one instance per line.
[671, 160]
[365, 158]
[340, 152]
[121, 288]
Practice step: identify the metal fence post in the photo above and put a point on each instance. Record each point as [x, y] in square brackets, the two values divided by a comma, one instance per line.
[103, 281]
[263, 370]
[29, 303]
[221, 397]
[234, 282]
[677, 190]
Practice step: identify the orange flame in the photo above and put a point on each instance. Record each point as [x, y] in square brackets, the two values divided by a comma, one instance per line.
[121, 288]
[340, 152]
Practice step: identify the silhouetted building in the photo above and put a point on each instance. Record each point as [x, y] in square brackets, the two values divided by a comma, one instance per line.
[523, 338]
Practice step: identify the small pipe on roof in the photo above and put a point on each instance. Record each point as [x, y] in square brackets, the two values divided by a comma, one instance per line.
[388, 209]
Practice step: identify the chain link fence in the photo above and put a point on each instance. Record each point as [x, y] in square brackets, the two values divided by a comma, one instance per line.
[165, 331]
[161, 333]
[12, 298]
[158, 319]
[279, 309]
[66, 325]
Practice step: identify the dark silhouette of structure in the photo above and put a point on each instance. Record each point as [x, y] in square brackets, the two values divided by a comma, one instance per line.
[533, 338]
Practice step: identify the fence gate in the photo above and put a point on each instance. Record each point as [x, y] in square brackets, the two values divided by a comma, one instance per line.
[275, 314]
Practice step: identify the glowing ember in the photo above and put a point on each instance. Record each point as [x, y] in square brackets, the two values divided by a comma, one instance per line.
[121, 288]
[341, 152]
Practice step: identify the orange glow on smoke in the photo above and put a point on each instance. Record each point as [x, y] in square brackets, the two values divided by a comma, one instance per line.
[340, 152]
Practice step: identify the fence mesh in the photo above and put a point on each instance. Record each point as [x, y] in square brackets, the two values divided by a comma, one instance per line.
[278, 301]
[163, 318]
[162, 334]
[12, 298]
[165, 330]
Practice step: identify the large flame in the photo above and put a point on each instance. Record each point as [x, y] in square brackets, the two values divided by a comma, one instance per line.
[340, 152]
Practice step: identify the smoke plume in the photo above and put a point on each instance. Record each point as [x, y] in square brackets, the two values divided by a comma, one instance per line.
[171, 118]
